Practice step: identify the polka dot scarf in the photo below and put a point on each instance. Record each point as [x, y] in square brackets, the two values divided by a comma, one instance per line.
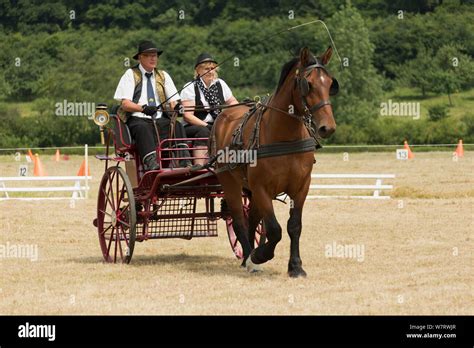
[212, 96]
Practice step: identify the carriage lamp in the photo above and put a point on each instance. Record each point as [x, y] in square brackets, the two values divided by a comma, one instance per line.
[101, 118]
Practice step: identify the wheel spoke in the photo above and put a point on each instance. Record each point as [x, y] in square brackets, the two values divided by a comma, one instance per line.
[125, 207]
[123, 222]
[117, 237]
[110, 242]
[102, 211]
[108, 228]
[125, 236]
[108, 199]
[118, 193]
[110, 192]
[120, 244]
[122, 192]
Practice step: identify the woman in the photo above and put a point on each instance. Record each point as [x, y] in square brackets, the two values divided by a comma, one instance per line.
[206, 91]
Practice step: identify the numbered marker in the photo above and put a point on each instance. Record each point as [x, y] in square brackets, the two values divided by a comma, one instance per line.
[400, 204]
[28, 159]
[23, 170]
[402, 154]
[181, 298]
[455, 157]
[17, 156]
[345, 157]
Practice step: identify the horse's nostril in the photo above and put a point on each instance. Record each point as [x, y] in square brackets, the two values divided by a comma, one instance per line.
[325, 131]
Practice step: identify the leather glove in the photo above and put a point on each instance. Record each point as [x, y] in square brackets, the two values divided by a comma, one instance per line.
[149, 110]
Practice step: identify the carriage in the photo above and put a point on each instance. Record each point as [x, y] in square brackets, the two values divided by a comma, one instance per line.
[186, 202]
[172, 202]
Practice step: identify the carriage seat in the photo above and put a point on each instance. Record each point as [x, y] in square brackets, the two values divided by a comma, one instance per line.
[122, 137]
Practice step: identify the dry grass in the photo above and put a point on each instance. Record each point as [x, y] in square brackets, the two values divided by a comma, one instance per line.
[418, 259]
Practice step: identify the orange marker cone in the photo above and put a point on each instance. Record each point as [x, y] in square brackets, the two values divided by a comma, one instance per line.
[57, 157]
[82, 170]
[31, 155]
[459, 149]
[410, 154]
[39, 170]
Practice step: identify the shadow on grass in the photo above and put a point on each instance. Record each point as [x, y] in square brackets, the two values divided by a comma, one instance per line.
[205, 264]
[468, 97]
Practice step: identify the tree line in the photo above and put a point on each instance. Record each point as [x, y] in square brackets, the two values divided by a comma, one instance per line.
[51, 54]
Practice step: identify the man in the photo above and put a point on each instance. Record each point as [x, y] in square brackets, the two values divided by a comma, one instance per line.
[141, 90]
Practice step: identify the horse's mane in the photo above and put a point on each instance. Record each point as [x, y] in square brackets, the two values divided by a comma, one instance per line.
[288, 66]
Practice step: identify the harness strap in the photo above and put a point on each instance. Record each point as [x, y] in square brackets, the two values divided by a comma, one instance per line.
[286, 148]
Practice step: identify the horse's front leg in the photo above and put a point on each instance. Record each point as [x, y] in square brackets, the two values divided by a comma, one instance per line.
[295, 265]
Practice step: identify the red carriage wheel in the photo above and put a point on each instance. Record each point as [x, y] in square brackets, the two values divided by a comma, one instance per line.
[234, 243]
[116, 216]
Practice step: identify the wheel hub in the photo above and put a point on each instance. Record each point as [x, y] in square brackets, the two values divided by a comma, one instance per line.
[114, 219]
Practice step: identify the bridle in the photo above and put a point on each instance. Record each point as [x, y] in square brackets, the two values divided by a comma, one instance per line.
[305, 87]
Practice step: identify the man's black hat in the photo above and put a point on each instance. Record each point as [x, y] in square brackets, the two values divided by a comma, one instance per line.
[147, 46]
[204, 58]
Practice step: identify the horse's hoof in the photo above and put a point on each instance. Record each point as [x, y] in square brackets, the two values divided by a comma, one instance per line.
[252, 267]
[297, 273]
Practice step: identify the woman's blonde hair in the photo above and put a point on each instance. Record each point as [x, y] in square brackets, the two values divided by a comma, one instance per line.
[206, 65]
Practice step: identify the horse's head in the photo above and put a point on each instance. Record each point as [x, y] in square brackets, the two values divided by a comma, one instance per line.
[314, 85]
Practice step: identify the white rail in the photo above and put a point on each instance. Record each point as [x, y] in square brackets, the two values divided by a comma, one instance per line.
[376, 188]
[78, 190]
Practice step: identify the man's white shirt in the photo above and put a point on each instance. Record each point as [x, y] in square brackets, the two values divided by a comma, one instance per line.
[126, 87]
[188, 94]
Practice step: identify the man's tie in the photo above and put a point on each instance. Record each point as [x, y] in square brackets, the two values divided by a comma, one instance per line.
[149, 91]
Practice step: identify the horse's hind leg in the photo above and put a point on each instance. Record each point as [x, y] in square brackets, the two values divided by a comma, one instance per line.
[295, 268]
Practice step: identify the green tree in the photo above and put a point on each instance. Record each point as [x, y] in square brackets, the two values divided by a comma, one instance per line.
[418, 72]
[360, 91]
[454, 71]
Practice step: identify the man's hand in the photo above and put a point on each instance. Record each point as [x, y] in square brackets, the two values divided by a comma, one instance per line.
[149, 110]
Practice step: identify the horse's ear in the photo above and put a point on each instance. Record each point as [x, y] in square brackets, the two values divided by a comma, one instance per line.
[304, 56]
[326, 56]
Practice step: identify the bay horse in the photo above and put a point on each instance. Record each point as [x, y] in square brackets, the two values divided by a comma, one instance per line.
[284, 128]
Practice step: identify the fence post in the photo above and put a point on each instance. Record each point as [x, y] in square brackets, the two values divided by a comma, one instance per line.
[378, 182]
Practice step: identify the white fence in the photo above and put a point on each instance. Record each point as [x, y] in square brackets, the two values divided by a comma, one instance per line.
[376, 188]
[79, 189]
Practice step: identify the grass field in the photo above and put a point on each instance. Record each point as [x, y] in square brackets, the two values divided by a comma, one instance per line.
[417, 252]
